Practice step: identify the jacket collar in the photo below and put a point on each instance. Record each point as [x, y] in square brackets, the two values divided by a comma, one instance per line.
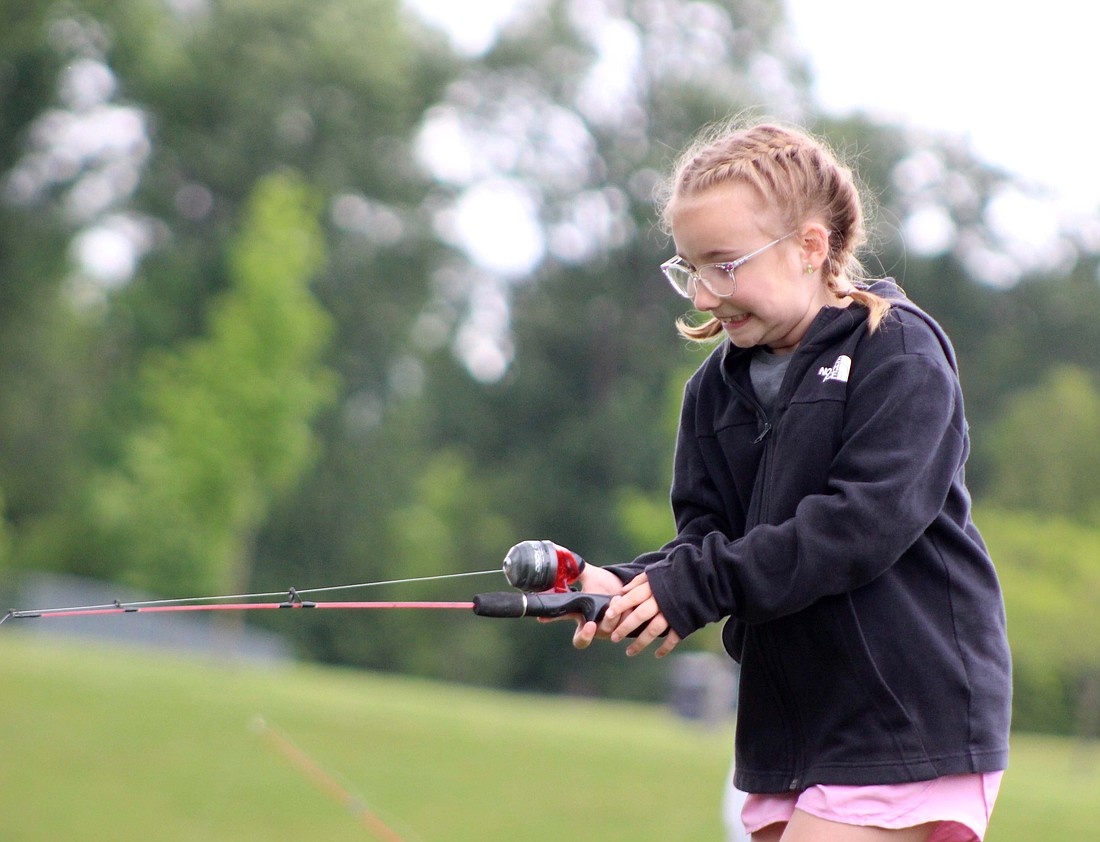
[828, 326]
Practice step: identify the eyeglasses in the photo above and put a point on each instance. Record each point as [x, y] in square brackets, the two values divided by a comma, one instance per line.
[716, 277]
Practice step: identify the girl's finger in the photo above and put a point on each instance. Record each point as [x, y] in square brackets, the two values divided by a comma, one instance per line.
[635, 619]
[584, 635]
[628, 601]
[653, 629]
[670, 643]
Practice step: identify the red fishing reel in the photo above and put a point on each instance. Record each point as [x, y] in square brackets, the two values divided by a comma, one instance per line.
[536, 566]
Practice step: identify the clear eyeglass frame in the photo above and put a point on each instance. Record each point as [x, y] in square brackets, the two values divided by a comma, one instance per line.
[716, 277]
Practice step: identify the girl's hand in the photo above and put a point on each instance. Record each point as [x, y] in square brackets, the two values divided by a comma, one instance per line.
[593, 580]
[634, 608]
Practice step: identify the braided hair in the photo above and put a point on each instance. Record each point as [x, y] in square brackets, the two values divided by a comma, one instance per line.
[797, 174]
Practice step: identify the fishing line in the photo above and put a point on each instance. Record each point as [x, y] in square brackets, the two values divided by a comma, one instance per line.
[183, 601]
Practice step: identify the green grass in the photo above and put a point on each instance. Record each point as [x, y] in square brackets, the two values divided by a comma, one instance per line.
[109, 743]
[1051, 791]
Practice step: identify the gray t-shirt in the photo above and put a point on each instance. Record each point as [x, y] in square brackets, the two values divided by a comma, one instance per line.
[766, 372]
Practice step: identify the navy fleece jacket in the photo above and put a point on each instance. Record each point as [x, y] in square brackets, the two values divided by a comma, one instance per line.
[836, 537]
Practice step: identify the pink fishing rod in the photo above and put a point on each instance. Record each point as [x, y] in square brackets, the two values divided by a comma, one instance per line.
[530, 566]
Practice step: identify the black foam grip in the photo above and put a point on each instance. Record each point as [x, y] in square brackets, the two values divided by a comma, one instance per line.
[591, 606]
[501, 604]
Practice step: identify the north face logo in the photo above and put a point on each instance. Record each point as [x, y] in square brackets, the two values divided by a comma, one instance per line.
[839, 371]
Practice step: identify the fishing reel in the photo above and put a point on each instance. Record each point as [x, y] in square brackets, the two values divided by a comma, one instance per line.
[544, 572]
[536, 566]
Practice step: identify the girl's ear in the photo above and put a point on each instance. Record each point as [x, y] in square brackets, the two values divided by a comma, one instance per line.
[814, 243]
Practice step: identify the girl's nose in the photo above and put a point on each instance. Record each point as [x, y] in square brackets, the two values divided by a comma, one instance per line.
[702, 298]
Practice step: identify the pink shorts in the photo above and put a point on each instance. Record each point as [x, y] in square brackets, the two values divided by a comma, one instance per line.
[961, 804]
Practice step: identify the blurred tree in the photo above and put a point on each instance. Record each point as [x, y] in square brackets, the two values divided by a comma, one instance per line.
[5, 537]
[47, 373]
[135, 131]
[1046, 448]
[1047, 565]
[1044, 322]
[226, 429]
[449, 525]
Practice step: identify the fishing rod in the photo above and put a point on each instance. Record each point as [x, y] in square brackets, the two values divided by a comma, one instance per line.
[542, 572]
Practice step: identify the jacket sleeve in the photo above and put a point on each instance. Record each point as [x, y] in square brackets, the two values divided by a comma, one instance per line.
[902, 446]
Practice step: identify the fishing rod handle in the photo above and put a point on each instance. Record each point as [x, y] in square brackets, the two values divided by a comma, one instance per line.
[591, 606]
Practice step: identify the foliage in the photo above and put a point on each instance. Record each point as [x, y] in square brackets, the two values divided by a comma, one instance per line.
[1047, 565]
[645, 517]
[449, 526]
[227, 417]
[1047, 446]
[5, 535]
[46, 396]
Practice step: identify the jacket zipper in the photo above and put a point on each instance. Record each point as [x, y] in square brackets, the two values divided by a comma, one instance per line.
[767, 440]
[763, 433]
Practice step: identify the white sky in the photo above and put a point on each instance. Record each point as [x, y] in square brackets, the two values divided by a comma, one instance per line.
[1016, 80]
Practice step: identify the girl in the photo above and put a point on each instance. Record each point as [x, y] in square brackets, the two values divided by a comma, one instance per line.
[821, 509]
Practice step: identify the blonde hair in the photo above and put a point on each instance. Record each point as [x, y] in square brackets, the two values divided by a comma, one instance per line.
[797, 174]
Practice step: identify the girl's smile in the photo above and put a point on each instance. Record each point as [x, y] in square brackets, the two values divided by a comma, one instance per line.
[733, 321]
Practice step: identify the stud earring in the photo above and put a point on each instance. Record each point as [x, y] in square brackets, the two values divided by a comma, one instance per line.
[810, 269]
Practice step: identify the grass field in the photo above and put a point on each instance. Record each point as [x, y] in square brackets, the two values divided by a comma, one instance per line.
[116, 743]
